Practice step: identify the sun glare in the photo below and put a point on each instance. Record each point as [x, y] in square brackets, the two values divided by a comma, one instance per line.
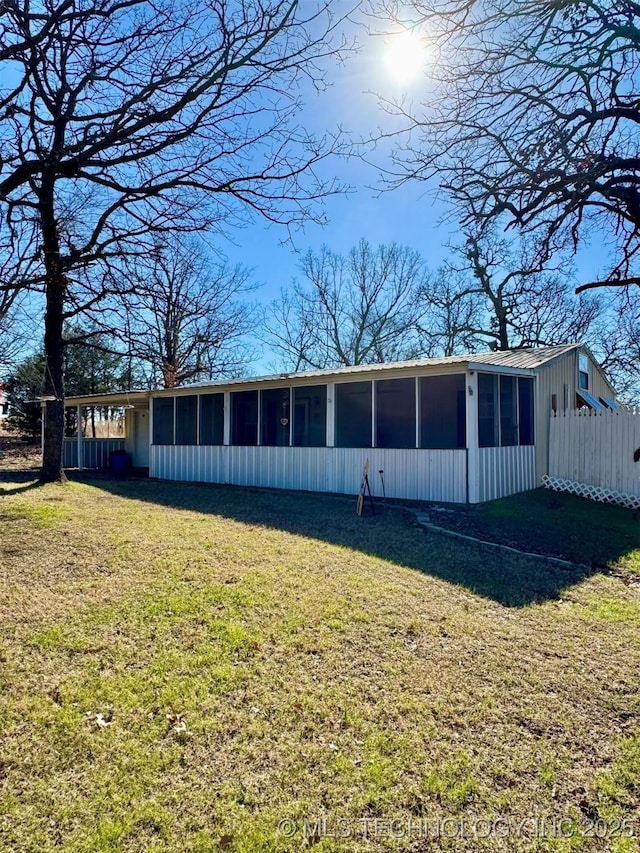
[405, 56]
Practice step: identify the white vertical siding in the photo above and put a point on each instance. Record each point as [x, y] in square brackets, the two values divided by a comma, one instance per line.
[505, 471]
[596, 449]
[436, 475]
[552, 379]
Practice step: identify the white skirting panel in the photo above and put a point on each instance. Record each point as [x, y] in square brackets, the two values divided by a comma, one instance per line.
[95, 451]
[434, 475]
[505, 471]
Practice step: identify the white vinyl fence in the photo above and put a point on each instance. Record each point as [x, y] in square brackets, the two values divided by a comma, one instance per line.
[591, 454]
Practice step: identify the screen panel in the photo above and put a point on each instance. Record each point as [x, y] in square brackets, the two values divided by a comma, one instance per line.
[443, 423]
[163, 410]
[353, 414]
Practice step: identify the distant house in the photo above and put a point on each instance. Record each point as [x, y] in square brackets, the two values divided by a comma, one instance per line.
[4, 402]
[460, 429]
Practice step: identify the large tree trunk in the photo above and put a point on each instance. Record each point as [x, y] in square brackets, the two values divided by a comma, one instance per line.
[503, 328]
[52, 470]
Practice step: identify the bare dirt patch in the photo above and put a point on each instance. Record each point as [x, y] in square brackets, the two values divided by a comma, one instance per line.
[17, 454]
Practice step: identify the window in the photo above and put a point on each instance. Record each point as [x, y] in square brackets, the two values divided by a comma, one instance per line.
[244, 417]
[443, 412]
[508, 411]
[583, 371]
[310, 416]
[163, 420]
[395, 413]
[212, 419]
[488, 433]
[353, 414]
[525, 410]
[275, 417]
[505, 410]
[187, 419]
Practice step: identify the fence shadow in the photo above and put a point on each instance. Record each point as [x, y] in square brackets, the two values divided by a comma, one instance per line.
[392, 534]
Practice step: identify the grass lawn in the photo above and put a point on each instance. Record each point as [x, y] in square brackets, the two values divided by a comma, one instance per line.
[583, 531]
[200, 668]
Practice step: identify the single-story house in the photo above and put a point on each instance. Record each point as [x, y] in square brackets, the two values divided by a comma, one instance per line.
[466, 428]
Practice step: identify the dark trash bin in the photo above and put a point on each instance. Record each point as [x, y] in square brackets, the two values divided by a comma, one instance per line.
[119, 462]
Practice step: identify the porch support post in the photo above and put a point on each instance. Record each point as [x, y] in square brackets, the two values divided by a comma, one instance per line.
[79, 420]
[331, 396]
[226, 436]
[473, 461]
[374, 414]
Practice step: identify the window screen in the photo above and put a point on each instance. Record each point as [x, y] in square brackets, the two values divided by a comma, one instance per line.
[244, 417]
[443, 412]
[163, 420]
[488, 432]
[212, 419]
[275, 417]
[508, 411]
[505, 410]
[310, 416]
[395, 413]
[525, 409]
[353, 414]
[187, 419]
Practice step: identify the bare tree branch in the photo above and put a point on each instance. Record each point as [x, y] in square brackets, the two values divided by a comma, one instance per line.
[358, 309]
[160, 116]
[532, 119]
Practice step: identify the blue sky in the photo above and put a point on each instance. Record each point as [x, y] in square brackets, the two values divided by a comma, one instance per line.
[409, 215]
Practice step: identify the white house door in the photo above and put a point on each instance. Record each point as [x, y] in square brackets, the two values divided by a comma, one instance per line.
[140, 457]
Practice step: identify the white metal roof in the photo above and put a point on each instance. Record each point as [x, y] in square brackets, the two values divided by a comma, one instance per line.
[524, 361]
[111, 398]
[520, 359]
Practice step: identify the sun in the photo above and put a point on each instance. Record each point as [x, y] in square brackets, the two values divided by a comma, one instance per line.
[405, 56]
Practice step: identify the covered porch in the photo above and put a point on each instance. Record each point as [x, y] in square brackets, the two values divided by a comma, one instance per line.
[106, 423]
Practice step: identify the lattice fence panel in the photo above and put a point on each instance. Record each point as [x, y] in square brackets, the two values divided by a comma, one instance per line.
[594, 492]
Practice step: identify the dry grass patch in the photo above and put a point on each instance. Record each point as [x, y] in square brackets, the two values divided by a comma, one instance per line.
[183, 667]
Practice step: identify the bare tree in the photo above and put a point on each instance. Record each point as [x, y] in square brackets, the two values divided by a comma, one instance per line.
[355, 309]
[454, 314]
[186, 319]
[490, 294]
[19, 328]
[617, 345]
[121, 119]
[532, 118]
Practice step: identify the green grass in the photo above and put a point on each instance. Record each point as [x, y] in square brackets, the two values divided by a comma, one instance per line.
[183, 667]
[576, 529]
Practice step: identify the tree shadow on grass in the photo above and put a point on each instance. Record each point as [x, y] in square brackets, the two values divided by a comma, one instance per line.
[392, 534]
[28, 478]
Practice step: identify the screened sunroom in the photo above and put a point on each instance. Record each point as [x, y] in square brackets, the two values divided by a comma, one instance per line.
[416, 422]
[459, 429]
